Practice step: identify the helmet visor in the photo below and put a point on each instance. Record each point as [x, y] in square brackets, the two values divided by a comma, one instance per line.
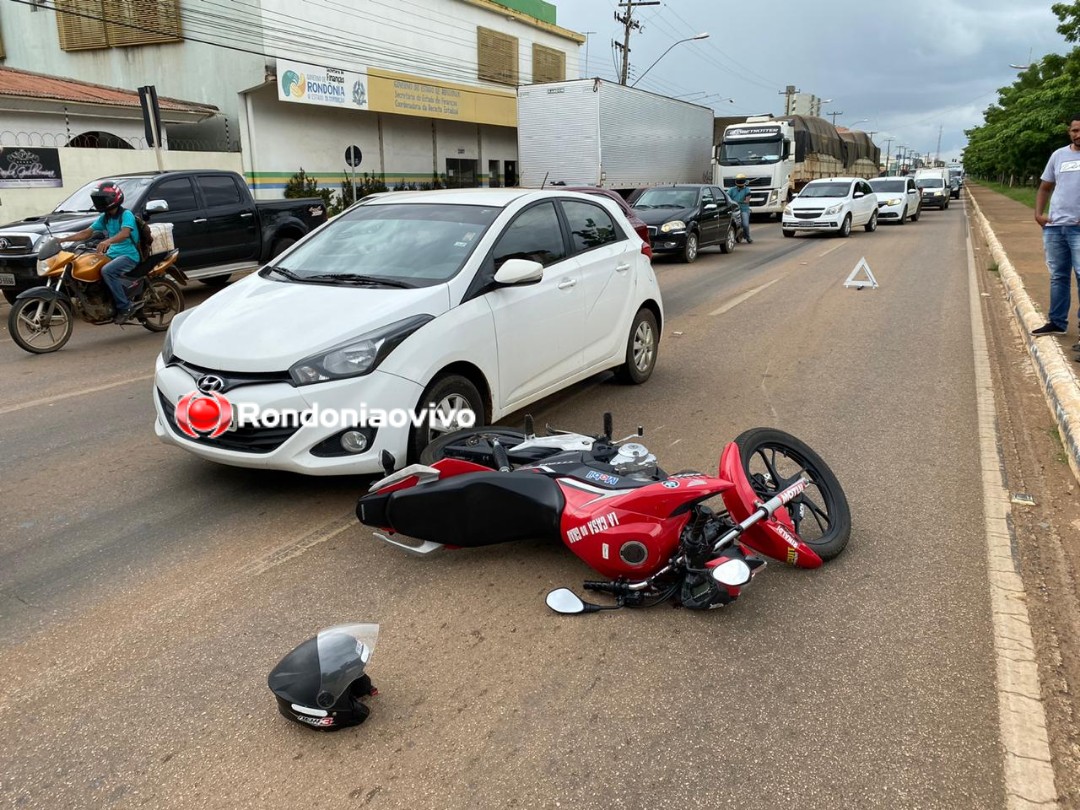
[344, 651]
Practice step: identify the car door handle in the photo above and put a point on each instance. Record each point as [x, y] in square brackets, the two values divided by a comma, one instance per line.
[566, 284]
[248, 214]
[621, 268]
[197, 221]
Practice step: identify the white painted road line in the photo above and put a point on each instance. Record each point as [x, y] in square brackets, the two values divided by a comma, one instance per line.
[35, 403]
[837, 246]
[738, 299]
[1029, 774]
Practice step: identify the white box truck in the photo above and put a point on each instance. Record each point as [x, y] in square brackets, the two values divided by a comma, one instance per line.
[592, 132]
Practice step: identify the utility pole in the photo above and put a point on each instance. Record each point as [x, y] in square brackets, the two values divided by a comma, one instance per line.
[940, 128]
[834, 116]
[629, 24]
[888, 151]
[790, 92]
[586, 33]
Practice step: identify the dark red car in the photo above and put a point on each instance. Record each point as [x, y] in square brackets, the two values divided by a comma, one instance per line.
[639, 226]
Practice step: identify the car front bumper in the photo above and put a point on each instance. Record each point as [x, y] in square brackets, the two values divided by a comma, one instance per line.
[793, 224]
[290, 448]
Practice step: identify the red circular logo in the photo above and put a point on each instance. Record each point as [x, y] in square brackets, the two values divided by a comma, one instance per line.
[200, 415]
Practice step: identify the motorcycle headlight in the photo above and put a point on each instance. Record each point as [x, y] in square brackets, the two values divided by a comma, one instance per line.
[357, 356]
[833, 209]
[674, 225]
[43, 267]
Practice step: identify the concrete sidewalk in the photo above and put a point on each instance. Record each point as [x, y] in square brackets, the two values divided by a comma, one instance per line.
[1015, 242]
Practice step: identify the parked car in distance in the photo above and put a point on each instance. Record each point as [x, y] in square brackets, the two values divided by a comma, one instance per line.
[640, 228]
[934, 184]
[899, 199]
[217, 226]
[682, 219]
[835, 204]
[474, 299]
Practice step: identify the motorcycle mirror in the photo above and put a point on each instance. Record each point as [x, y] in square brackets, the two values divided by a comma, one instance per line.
[565, 601]
[732, 572]
[388, 462]
[530, 428]
[609, 425]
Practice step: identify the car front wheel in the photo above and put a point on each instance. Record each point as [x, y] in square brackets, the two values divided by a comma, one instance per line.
[447, 397]
[845, 228]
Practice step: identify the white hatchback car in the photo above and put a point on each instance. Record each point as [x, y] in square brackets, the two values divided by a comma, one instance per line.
[481, 300]
[835, 204]
[899, 199]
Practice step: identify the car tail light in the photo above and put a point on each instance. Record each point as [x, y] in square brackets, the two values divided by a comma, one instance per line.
[646, 249]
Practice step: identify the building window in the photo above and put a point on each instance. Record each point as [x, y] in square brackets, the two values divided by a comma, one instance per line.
[496, 56]
[88, 24]
[548, 64]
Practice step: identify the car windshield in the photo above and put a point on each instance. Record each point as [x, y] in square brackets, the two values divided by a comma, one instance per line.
[826, 190]
[667, 198]
[929, 182]
[396, 244]
[80, 202]
[888, 185]
[744, 153]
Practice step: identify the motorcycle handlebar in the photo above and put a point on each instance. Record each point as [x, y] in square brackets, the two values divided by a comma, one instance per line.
[600, 585]
[498, 452]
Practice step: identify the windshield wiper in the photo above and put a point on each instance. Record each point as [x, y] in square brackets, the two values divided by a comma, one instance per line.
[75, 211]
[281, 271]
[359, 278]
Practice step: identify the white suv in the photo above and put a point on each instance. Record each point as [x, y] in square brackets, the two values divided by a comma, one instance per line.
[834, 204]
[899, 199]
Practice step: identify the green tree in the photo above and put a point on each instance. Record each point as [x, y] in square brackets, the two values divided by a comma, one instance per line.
[301, 185]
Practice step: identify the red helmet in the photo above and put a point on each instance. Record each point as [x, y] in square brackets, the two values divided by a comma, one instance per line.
[107, 195]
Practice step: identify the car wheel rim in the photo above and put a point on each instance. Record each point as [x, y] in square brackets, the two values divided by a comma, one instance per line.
[448, 412]
[644, 346]
[731, 239]
[691, 246]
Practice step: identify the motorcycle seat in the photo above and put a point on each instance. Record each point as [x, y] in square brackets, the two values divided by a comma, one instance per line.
[479, 509]
[148, 264]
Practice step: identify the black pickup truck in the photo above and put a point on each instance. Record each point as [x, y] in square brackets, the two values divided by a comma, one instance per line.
[217, 226]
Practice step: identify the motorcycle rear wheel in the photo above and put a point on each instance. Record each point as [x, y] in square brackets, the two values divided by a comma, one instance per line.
[39, 325]
[772, 460]
[471, 444]
[162, 301]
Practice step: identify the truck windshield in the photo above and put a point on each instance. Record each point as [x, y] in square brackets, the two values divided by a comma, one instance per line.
[393, 244]
[746, 153]
[80, 202]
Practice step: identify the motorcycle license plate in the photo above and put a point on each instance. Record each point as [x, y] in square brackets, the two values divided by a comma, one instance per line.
[7, 279]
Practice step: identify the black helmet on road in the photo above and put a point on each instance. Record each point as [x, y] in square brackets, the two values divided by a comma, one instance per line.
[107, 195]
[321, 684]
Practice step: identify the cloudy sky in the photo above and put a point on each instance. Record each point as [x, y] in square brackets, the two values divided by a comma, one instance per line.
[910, 68]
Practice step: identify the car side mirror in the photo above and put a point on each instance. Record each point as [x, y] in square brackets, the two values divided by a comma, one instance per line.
[519, 271]
[156, 207]
[858, 194]
[710, 207]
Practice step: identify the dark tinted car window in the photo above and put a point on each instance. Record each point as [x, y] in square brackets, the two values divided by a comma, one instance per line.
[219, 190]
[178, 193]
[590, 225]
[534, 235]
[707, 196]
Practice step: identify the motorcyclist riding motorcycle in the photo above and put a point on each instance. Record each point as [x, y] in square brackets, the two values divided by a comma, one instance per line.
[121, 244]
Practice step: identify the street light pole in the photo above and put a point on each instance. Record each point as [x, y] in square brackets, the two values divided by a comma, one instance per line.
[665, 53]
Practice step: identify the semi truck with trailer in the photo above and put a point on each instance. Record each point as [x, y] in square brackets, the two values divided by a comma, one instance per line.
[781, 155]
[592, 132]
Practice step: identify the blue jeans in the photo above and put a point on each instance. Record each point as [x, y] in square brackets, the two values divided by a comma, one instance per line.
[1062, 246]
[745, 224]
[113, 273]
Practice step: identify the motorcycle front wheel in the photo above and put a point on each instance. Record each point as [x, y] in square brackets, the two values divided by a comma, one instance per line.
[472, 444]
[161, 302]
[773, 460]
[40, 325]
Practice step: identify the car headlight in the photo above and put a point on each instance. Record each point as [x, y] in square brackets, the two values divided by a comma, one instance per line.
[167, 355]
[674, 225]
[789, 211]
[894, 201]
[358, 356]
[833, 209]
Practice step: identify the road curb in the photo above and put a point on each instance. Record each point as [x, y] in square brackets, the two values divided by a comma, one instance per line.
[1060, 384]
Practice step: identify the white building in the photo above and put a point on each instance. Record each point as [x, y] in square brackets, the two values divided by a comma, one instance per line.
[424, 88]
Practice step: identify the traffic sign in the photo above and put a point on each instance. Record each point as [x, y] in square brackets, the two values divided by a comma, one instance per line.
[353, 156]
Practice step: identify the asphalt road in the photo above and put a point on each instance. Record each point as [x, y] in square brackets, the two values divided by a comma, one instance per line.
[145, 594]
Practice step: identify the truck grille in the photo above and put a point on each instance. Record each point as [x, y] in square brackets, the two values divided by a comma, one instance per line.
[247, 439]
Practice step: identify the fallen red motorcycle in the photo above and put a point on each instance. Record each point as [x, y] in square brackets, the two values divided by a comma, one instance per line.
[648, 532]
